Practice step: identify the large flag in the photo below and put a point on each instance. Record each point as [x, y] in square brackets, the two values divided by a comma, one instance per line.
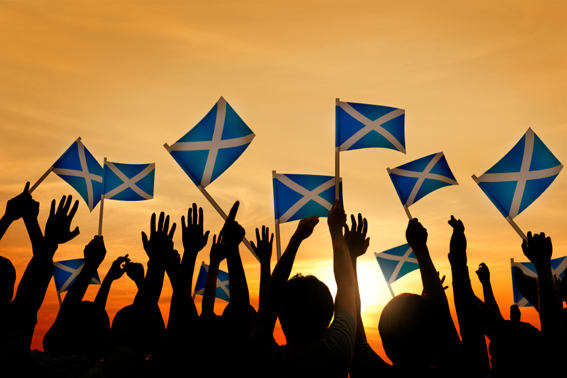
[81, 170]
[367, 126]
[128, 182]
[301, 196]
[65, 273]
[397, 262]
[521, 176]
[558, 266]
[223, 289]
[420, 177]
[213, 145]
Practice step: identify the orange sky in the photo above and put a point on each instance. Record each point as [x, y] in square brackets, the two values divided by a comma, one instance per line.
[130, 76]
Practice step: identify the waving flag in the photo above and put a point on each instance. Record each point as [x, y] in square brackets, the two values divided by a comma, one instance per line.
[521, 176]
[420, 177]
[81, 170]
[558, 267]
[396, 263]
[300, 196]
[128, 182]
[223, 290]
[65, 273]
[213, 145]
[367, 126]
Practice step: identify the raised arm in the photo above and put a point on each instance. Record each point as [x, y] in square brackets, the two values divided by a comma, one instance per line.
[15, 209]
[218, 253]
[263, 249]
[484, 277]
[117, 270]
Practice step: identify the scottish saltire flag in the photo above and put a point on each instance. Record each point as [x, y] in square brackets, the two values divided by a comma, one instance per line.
[80, 169]
[223, 290]
[557, 265]
[521, 176]
[367, 126]
[213, 145]
[397, 262]
[128, 182]
[420, 177]
[300, 196]
[65, 273]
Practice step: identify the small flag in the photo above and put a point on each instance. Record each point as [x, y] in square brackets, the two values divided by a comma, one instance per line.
[397, 262]
[367, 126]
[521, 176]
[81, 170]
[213, 145]
[128, 182]
[223, 290]
[420, 177]
[65, 273]
[557, 265]
[301, 196]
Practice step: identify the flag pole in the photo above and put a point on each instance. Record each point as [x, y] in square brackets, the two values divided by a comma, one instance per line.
[512, 265]
[391, 291]
[40, 180]
[516, 228]
[58, 296]
[101, 202]
[398, 191]
[337, 159]
[224, 216]
[277, 222]
[407, 212]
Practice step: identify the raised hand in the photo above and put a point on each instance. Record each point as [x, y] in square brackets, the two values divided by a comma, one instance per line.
[194, 240]
[219, 251]
[337, 217]
[118, 268]
[232, 233]
[483, 273]
[22, 205]
[95, 251]
[135, 271]
[58, 227]
[160, 243]
[305, 227]
[416, 234]
[263, 248]
[458, 245]
[538, 249]
[355, 238]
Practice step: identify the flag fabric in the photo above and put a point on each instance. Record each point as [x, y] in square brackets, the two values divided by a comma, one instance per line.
[557, 265]
[397, 262]
[367, 126]
[521, 176]
[300, 196]
[65, 273]
[80, 169]
[213, 145]
[128, 182]
[420, 177]
[223, 289]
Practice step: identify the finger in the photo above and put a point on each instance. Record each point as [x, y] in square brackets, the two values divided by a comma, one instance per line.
[529, 237]
[352, 222]
[201, 218]
[360, 224]
[166, 224]
[172, 229]
[52, 210]
[160, 222]
[206, 237]
[27, 187]
[61, 203]
[214, 239]
[271, 239]
[67, 205]
[365, 228]
[195, 217]
[144, 238]
[233, 211]
[74, 209]
[74, 233]
[153, 224]
[258, 235]
[183, 226]
[253, 245]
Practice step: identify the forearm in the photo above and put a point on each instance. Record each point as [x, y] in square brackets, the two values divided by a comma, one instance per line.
[265, 274]
[149, 293]
[208, 304]
[34, 232]
[33, 286]
[489, 299]
[549, 306]
[360, 333]
[5, 222]
[239, 294]
[344, 274]
[79, 287]
[432, 286]
[102, 295]
[188, 267]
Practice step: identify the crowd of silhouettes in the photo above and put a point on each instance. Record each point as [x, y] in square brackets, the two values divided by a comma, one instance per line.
[325, 337]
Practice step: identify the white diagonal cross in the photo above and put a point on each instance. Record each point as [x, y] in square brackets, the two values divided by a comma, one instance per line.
[370, 125]
[308, 195]
[401, 260]
[223, 285]
[129, 182]
[84, 173]
[421, 176]
[74, 274]
[213, 145]
[521, 177]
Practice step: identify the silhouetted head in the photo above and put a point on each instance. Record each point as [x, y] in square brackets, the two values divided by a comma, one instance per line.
[82, 329]
[515, 314]
[136, 329]
[413, 331]
[305, 308]
[7, 281]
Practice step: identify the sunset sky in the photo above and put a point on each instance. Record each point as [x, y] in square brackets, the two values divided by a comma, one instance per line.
[129, 76]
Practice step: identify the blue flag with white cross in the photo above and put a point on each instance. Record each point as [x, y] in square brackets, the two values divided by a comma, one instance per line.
[420, 177]
[368, 126]
[80, 169]
[223, 289]
[397, 262]
[213, 145]
[301, 196]
[128, 182]
[66, 272]
[558, 267]
[521, 176]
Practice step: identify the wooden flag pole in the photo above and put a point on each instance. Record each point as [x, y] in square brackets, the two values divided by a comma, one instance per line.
[516, 228]
[101, 203]
[40, 180]
[58, 296]
[337, 164]
[224, 216]
[397, 191]
[391, 291]
[277, 222]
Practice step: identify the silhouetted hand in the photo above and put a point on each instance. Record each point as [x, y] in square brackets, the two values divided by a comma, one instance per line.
[232, 233]
[337, 217]
[57, 229]
[538, 249]
[21, 206]
[416, 235]
[160, 243]
[483, 274]
[305, 227]
[458, 245]
[118, 268]
[194, 240]
[355, 238]
[441, 279]
[219, 251]
[264, 248]
[95, 251]
[135, 271]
